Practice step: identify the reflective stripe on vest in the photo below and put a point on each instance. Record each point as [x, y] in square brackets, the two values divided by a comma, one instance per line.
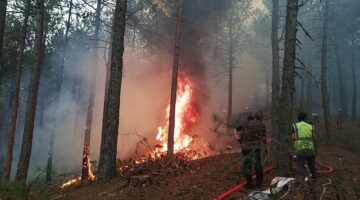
[303, 137]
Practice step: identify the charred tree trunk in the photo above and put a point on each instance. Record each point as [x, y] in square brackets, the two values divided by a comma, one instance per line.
[231, 66]
[16, 96]
[353, 71]
[324, 86]
[342, 89]
[170, 150]
[86, 151]
[275, 83]
[110, 127]
[3, 4]
[58, 93]
[288, 86]
[24, 159]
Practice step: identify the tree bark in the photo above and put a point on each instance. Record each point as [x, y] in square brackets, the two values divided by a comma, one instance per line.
[86, 151]
[110, 127]
[231, 66]
[302, 91]
[353, 71]
[24, 159]
[170, 149]
[309, 81]
[288, 85]
[59, 83]
[3, 4]
[342, 87]
[275, 82]
[324, 86]
[16, 95]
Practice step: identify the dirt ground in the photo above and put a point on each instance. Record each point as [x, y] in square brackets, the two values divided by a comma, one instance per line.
[211, 176]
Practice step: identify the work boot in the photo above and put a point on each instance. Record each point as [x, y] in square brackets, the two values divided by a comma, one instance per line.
[259, 179]
[249, 184]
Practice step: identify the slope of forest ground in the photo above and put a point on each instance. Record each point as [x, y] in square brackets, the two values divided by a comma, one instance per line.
[211, 176]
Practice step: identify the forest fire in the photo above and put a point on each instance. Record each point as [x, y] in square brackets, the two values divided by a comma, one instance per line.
[186, 145]
[186, 115]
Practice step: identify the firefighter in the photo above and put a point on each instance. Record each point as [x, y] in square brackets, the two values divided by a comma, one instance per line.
[252, 136]
[304, 146]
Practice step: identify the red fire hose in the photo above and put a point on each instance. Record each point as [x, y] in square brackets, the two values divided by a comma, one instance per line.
[328, 169]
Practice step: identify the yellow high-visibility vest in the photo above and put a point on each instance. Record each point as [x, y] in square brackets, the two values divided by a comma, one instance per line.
[303, 137]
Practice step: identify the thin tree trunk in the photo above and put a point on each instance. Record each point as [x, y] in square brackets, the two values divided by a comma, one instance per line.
[275, 82]
[170, 150]
[3, 4]
[342, 89]
[287, 92]
[24, 159]
[16, 95]
[110, 127]
[268, 101]
[86, 151]
[353, 71]
[60, 77]
[309, 81]
[231, 66]
[324, 86]
[302, 91]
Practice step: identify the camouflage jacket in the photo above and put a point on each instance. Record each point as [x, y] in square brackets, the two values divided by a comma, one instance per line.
[252, 135]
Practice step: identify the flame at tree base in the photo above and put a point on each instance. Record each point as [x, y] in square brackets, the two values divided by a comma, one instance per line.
[186, 115]
[78, 179]
[186, 145]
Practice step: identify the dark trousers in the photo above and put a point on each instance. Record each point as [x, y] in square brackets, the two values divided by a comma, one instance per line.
[252, 157]
[310, 161]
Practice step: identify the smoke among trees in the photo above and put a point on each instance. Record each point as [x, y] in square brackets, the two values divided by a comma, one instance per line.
[226, 46]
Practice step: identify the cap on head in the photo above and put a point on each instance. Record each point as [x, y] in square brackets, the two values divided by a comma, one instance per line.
[302, 116]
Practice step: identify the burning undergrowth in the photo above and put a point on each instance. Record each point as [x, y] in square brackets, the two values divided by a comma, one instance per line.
[151, 157]
[152, 160]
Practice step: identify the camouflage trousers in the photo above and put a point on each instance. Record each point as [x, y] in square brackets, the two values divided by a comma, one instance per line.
[253, 158]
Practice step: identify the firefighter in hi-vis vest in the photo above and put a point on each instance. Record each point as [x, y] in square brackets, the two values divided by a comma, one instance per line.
[304, 146]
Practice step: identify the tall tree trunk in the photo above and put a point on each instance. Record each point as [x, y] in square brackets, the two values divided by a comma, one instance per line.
[86, 151]
[342, 89]
[3, 4]
[302, 91]
[288, 85]
[110, 127]
[324, 86]
[231, 66]
[170, 150]
[24, 159]
[275, 82]
[353, 71]
[268, 97]
[59, 83]
[309, 81]
[16, 95]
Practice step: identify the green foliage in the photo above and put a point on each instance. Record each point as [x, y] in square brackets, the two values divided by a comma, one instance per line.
[13, 190]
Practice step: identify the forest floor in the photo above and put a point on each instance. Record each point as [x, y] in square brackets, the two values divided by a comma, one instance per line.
[209, 177]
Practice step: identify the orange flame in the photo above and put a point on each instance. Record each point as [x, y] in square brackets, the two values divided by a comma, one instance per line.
[185, 116]
[78, 178]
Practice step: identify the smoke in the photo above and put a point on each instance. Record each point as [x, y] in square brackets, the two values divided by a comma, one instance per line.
[145, 87]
